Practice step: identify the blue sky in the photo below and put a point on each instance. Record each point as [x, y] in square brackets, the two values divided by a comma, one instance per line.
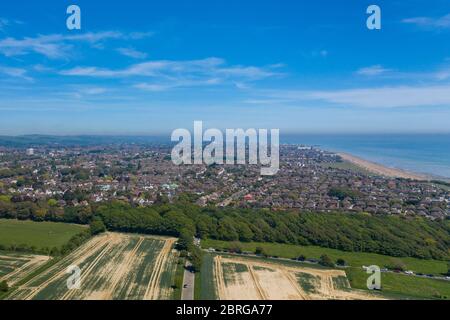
[148, 67]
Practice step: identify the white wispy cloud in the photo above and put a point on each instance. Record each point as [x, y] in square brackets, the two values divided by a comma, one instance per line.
[15, 73]
[148, 69]
[384, 97]
[375, 70]
[157, 87]
[93, 90]
[167, 74]
[80, 93]
[388, 97]
[132, 53]
[322, 53]
[140, 35]
[442, 74]
[269, 101]
[439, 75]
[439, 22]
[4, 22]
[57, 46]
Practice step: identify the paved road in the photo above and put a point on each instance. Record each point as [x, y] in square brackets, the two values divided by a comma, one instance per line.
[189, 280]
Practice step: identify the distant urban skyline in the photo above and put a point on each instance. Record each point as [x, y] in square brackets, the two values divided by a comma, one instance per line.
[147, 68]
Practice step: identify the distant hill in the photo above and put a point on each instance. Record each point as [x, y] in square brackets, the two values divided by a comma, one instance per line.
[27, 141]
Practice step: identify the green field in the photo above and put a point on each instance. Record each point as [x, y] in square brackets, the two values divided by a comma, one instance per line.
[178, 279]
[443, 186]
[403, 286]
[205, 288]
[354, 259]
[397, 284]
[308, 282]
[40, 235]
[345, 165]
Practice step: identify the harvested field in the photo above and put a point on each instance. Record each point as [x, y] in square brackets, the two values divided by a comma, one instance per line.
[113, 267]
[249, 279]
[14, 267]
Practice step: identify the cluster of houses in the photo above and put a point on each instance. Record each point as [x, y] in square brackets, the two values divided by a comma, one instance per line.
[142, 174]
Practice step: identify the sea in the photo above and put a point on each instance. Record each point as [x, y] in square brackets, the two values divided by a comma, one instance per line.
[420, 153]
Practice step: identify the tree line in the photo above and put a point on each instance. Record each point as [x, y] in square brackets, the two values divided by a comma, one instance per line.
[389, 235]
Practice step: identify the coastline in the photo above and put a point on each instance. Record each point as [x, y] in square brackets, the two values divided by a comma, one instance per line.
[382, 170]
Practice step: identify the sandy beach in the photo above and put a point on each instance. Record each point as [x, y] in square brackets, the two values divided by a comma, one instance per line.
[382, 170]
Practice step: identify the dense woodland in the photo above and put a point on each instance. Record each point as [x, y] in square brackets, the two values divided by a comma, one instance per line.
[389, 235]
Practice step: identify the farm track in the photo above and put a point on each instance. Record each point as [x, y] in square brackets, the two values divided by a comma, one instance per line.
[153, 286]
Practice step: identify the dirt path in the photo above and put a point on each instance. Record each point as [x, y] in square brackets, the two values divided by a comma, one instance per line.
[152, 291]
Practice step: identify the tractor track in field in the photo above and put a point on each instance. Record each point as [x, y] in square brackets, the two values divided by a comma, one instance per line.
[111, 264]
[84, 251]
[85, 273]
[13, 258]
[153, 289]
[295, 285]
[261, 293]
[122, 270]
[32, 265]
[218, 273]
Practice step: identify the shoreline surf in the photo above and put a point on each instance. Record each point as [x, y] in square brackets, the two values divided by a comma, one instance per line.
[383, 170]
